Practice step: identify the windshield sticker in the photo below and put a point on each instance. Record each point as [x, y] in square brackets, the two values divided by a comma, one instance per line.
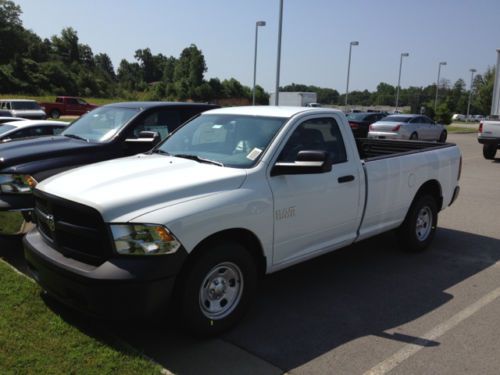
[216, 126]
[254, 154]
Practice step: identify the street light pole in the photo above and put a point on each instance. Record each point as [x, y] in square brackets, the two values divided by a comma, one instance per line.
[405, 54]
[437, 84]
[354, 43]
[276, 97]
[472, 71]
[257, 24]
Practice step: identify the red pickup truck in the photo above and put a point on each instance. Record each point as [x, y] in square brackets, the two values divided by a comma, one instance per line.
[67, 106]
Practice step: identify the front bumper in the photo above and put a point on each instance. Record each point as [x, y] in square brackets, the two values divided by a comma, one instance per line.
[16, 214]
[120, 288]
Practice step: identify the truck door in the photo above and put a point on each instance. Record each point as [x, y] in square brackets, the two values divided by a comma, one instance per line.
[315, 212]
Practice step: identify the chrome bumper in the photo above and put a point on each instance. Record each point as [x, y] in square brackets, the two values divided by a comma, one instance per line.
[16, 222]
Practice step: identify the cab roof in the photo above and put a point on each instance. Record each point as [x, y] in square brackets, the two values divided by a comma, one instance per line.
[270, 111]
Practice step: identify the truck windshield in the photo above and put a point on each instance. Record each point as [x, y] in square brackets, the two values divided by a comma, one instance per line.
[101, 124]
[231, 140]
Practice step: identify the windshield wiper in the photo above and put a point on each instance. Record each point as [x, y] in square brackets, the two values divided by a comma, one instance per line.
[160, 151]
[199, 159]
[76, 137]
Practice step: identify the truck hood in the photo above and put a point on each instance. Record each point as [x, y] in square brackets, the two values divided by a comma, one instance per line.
[23, 151]
[125, 188]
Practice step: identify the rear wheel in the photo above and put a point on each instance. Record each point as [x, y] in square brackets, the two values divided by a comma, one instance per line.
[489, 151]
[418, 229]
[414, 136]
[217, 288]
[443, 136]
[55, 113]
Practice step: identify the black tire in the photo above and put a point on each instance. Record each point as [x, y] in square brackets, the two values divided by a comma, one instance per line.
[443, 136]
[55, 113]
[489, 151]
[418, 229]
[201, 290]
[414, 136]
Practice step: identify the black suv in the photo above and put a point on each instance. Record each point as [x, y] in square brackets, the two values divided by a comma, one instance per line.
[107, 132]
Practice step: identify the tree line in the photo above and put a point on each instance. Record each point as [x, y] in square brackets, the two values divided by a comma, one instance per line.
[62, 65]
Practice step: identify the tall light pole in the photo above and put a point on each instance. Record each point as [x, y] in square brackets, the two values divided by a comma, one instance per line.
[257, 24]
[280, 27]
[354, 43]
[472, 71]
[405, 54]
[495, 105]
[437, 84]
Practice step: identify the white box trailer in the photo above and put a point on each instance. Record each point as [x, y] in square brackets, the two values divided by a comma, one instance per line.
[294, 99]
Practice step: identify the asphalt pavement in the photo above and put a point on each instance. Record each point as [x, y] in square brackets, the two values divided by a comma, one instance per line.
[365, 309]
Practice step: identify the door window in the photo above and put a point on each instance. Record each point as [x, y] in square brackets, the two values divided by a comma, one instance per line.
[163, 122]
[321, 134]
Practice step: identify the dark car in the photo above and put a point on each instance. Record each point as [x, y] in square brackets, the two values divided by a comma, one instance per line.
[361, 121]
[108, 132]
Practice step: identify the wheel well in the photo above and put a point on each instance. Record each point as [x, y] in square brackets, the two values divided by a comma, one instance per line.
[244, 237]
[432, 188]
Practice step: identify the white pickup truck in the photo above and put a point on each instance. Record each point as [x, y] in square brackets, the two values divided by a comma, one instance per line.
[230, 196]
[489, 137]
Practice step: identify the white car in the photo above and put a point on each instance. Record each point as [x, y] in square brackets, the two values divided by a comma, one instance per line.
[414, 127]
[30, 128]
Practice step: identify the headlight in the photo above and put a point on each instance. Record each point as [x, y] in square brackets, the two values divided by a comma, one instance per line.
[143, 239]
[17, 184]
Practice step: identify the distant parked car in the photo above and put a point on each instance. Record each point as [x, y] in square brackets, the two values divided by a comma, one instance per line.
[67, 106]
[458, 117]
[415, 127]
[4, 119]
[30, 128]
[28, 109]
[360, 121]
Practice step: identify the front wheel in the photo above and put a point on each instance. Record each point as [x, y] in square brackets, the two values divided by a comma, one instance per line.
[489, 151]
[218, 288]
[443, 136]
[418, 229]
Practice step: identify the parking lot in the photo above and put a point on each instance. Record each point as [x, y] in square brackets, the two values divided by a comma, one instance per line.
[369, 308]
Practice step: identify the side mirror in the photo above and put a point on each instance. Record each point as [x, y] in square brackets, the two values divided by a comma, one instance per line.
[307, 162]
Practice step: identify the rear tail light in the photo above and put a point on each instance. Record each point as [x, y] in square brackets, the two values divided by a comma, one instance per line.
[396, 128]
[353, 125]
[480, 127]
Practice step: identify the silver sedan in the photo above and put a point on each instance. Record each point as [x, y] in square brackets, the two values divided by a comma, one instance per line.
[415, 127]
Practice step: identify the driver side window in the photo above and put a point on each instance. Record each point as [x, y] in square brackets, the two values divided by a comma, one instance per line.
[162, 122]
[321, 134]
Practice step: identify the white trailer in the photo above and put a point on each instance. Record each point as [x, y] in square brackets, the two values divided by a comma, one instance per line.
[294, 99]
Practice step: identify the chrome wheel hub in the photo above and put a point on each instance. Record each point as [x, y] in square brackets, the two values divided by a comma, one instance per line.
[221, 290]
[424, 223]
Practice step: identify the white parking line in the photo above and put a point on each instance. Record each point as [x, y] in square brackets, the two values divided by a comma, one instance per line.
[411, 349]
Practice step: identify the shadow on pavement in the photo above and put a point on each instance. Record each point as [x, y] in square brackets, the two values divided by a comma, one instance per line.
[306, 311]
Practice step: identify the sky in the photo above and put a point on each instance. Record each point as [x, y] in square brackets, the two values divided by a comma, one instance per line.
[315, 41]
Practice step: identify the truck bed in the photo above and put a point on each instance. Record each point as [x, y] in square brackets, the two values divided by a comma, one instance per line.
[374, 149]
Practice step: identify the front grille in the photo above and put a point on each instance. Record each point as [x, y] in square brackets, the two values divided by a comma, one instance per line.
[75, 230]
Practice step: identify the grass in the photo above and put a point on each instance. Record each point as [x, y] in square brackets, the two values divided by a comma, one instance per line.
[8, 223]
[459, 129]
[34, 340]
[52, 98]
